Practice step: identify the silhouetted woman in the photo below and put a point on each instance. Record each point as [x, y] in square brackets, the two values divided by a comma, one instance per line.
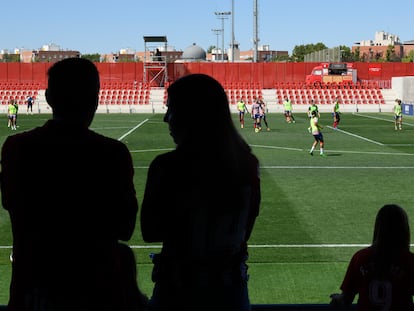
[201, 201]
[383, 274]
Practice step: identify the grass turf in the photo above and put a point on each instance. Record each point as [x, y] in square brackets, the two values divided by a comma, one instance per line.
[316, 211]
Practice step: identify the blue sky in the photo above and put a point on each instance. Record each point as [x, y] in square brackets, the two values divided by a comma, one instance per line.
[93, 26]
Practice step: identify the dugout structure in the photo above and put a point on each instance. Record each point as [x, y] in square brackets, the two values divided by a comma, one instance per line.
[155, 66]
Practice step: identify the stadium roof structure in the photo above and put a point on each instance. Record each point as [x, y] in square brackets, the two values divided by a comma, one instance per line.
[155, 39]
[155, 67]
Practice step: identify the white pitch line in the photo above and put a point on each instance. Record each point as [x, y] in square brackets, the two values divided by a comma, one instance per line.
[279, 246]
[257, 246]
[276, 246]
[337, 167]
[381, 119]
[133, 129]
[336, 151]
[151, 150]
[373, 152]
[308, 245]
[371, 117]
[286, 167]
[261, 246]
[357, 136]
[276, 147]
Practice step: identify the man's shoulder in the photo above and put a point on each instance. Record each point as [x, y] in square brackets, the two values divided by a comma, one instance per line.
[18, 140]
[103, 140]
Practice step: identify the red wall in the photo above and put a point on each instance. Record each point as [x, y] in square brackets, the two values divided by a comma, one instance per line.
[266, 74]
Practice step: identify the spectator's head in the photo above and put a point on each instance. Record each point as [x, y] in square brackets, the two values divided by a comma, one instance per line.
[193, 97]
[73, 89]
[392, 230]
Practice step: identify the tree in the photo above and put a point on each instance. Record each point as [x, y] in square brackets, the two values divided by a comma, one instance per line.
[10, 58]
[299, 51]
[390, 54]
[211, 48]
[356, 55]
[281, 58]
[409, 58]
[96, 58]
[346, 54]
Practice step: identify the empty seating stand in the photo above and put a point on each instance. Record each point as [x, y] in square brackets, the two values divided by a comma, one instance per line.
[18, 91]
[249, 91]
[348, 94]
[124, 93]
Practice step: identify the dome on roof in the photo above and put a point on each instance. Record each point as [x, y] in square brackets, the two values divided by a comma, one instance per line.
[194, 52]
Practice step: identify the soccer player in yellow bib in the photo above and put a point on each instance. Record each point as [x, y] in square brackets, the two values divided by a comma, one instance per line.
[398, 114]
[12, 113]
[336, 114]
[315, 130]
[241, 107]
[287, 106]
[313, 107]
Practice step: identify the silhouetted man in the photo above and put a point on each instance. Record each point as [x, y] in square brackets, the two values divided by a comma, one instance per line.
[71, 197]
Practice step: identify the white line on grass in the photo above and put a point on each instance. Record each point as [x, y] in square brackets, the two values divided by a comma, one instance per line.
[357, 136]
[340, 151]
[261, 246]
[280, 246]
[258, 246]
[151, 150]
[382, 119]
[337, 167]
[276, 246]
[375, 152]
[276, 147]
[323, 167]
[133, 129]
[308, 245]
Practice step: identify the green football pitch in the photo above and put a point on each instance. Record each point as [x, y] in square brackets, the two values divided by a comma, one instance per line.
[315, 212]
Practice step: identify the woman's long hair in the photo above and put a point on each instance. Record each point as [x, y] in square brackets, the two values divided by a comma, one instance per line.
[391, 235]
[201, 118]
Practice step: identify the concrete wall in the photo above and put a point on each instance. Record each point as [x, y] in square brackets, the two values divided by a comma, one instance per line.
[403, 88]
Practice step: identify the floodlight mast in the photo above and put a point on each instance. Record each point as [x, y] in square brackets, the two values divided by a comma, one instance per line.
[232, 30]
[255, 30]
[222, 16]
